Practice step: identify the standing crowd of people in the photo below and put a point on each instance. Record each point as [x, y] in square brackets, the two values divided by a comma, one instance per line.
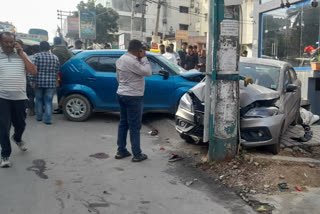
[28, 79]
[189, 57]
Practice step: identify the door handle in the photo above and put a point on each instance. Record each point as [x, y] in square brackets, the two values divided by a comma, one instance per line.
[91, 79]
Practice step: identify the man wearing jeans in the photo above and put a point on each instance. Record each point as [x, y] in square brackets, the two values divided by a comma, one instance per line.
[14, 65]
[132, 67]
[45, 81]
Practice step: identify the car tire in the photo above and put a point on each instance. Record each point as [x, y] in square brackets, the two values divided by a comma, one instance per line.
[275, 148]
[76, 107]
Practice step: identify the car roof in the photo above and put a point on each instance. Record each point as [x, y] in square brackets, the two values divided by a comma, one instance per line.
[87, 53]
[261, 61]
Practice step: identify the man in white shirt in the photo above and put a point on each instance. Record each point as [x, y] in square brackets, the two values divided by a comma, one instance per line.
[14, 65]
[169, 55]
[132, 67]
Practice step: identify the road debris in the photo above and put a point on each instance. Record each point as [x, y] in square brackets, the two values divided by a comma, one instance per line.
[298, 189]
[266, 187]
[189, 183]
[153, 132]
[261, 209]
[311, 165]
[175, 157]
[283, 186]
[281, 176]
[162, 149]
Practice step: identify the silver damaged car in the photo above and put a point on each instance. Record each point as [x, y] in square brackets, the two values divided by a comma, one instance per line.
[267, 107]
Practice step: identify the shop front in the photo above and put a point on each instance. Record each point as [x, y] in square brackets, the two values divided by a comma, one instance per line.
[291, 34]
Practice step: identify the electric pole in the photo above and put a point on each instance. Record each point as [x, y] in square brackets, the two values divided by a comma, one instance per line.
[142, 19]
[133, 6]
[158, 17]
[223, 121]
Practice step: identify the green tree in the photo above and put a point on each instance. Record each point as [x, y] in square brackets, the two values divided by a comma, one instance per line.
[106, 20]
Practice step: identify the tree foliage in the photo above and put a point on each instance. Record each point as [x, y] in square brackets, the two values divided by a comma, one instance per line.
[106, 20]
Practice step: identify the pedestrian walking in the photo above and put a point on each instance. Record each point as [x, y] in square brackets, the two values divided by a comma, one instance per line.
[182, 54]
[191, 59]
[45, 81]
[169, 55]
[132, 67]
[14, 65]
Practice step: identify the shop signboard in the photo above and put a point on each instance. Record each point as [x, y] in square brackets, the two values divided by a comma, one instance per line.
[73, 25]
[87, 25]
[182, 34]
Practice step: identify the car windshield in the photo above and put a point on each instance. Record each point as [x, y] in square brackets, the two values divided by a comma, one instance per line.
[264, 75]
[176, 68]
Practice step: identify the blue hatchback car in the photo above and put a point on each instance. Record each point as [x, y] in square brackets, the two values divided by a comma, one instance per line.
[87, 83]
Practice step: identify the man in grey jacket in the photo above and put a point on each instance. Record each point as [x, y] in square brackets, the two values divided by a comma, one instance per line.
[132, 67]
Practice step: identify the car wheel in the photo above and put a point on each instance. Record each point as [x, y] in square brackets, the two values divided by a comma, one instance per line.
[275, 148]
[76, 108]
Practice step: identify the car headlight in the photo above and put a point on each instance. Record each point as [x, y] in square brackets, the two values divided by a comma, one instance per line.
[262, 112]
[186, 103]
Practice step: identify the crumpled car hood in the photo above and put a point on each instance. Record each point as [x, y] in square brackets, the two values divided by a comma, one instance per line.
[248, 95]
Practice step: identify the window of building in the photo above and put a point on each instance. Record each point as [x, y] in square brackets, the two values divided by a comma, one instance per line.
[287, 32]
[184, 9]
[183, 27]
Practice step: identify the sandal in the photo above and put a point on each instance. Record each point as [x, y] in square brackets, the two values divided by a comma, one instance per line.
[140, 158]
[124, 155]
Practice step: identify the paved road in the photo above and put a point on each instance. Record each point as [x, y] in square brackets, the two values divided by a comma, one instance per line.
[60, 175]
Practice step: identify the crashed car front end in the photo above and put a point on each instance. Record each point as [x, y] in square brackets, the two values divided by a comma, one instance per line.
[260, 123]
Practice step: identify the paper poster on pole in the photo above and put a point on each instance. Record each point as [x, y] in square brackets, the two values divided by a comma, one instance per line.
[87, 25]
[232, 2]
[229, 28]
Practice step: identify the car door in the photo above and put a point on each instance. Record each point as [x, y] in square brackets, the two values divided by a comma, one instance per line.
[102, 79]
[158, 91]
[289, 99]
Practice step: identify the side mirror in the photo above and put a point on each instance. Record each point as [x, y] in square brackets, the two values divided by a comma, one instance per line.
[165, 74]
[291, 88]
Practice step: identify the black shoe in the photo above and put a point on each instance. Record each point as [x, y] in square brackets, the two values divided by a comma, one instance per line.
[140, 158]
[57, 111]
[121, 156]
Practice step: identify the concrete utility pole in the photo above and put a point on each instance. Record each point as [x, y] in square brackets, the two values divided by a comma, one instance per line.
[133, 6]
[224, 90]
[158, 17]
[143, 5]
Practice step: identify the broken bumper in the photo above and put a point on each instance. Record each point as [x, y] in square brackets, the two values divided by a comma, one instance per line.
[254, 131]
[261, 131]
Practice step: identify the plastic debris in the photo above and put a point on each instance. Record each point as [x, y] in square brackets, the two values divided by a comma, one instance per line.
[298, 189]
[175, 157]
[162, 149]
[283, 186]
[189, 183]
[153, 132]
[261, 209]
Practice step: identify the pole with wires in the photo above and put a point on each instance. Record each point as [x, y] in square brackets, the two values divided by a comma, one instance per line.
[132, 16]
